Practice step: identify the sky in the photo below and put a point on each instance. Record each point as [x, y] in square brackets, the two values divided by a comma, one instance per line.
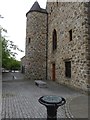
[14, 21]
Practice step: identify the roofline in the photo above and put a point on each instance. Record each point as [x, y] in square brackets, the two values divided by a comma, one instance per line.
[23, 57]
[36, 11]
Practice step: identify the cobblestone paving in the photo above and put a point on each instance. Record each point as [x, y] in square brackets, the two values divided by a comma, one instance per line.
[20, 99]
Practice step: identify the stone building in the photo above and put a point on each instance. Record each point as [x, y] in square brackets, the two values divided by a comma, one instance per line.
[58, 43]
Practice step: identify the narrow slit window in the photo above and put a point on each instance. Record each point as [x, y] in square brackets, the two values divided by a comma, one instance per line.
[57, 2]
[54, 40]
[51, 9]
[29, 40]
[70, 35]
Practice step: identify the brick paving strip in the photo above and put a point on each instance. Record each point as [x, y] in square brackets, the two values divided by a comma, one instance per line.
[20, 99]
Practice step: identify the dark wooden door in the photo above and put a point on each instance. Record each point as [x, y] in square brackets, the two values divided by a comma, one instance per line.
[53, 72]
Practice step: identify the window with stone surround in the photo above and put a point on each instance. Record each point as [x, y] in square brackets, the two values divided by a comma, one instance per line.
[68, 69]
[70, 35]
[54, 40]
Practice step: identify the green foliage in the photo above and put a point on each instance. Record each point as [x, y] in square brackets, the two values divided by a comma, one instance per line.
[8, 58]
[13, 64]
[6, 55]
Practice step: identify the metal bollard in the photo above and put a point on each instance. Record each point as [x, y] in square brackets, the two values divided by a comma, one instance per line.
[52, 103]
[52, 113]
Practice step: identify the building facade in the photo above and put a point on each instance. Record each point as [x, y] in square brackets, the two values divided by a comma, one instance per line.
[58, 43]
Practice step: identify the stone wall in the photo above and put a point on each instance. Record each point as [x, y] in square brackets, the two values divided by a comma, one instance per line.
[87, 12]
[36, 35]
[64, 17]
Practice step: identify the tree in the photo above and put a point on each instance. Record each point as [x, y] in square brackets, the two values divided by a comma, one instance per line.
[14, 64]
[5, 53]
[7, 56]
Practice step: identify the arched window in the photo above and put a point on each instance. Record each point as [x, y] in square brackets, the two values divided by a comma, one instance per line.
[54, 41]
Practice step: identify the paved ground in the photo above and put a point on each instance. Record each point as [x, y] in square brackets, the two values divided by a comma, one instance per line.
[20, 98]
[77, 104]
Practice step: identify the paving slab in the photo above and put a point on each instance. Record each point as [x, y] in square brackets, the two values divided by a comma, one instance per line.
[20, 99]
[77, 107]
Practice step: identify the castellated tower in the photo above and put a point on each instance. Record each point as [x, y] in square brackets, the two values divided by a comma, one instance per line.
[36, 35]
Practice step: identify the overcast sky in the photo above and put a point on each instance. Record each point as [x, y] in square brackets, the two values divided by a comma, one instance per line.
[14, 13]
